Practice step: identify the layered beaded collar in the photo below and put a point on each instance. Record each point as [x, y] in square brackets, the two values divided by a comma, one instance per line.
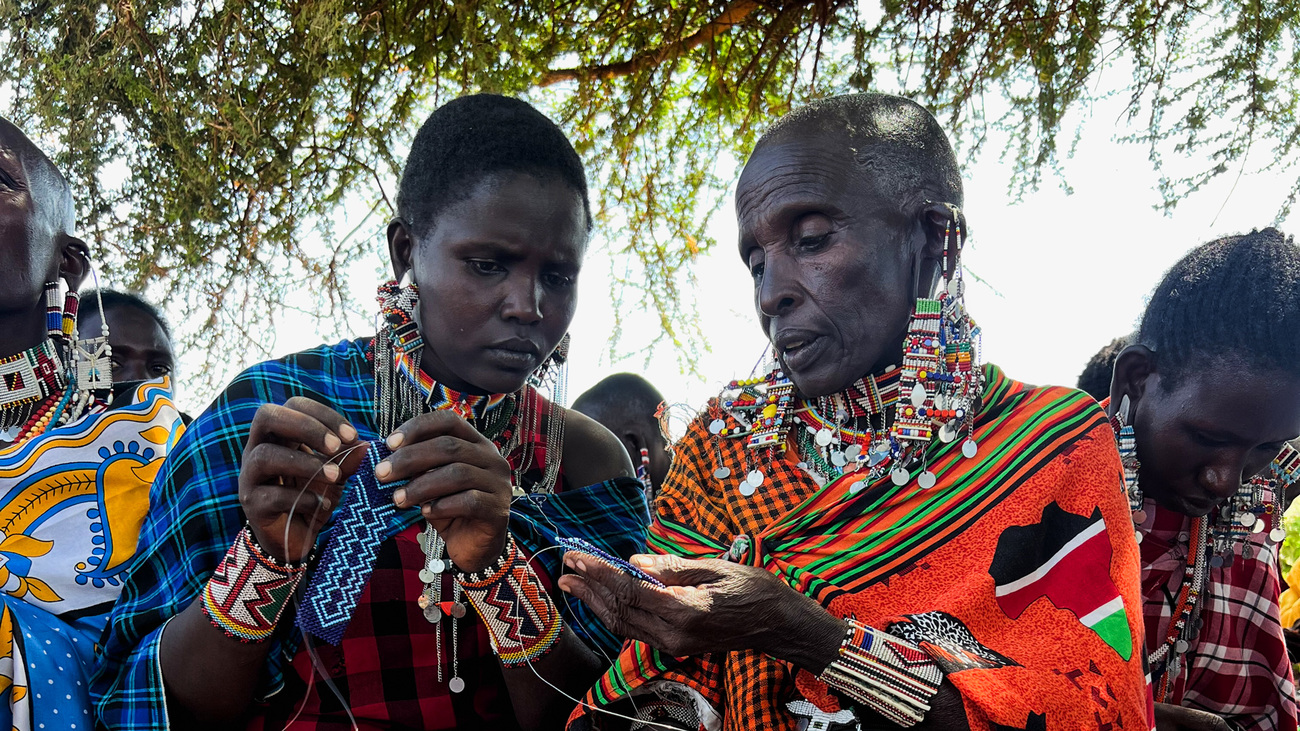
[28, 377]
[437, 397]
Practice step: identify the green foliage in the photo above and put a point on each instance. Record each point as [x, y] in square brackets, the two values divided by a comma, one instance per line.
[213, 142]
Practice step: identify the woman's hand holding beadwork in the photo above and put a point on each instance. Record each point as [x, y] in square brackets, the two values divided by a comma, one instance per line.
[291, 477]
[707, 605]
[459, 478]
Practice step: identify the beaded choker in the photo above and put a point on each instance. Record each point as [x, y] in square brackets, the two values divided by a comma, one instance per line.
[27, 378]
[438, 397]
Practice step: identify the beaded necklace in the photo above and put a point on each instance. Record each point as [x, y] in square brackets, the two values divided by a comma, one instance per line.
[1210, 544]
[27, 381]
[505, 419]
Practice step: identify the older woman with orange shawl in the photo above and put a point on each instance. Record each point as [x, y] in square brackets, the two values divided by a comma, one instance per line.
[874, 529]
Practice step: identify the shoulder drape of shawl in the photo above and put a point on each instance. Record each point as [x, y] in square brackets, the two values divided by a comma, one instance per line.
[71, 504]
[1018, 571]
[196, 515]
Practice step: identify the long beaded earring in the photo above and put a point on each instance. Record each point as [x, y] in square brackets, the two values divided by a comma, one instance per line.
[396, 353]
[94, 356]
[53, 311]
[941, 382]
[553, 373]
[1126, 440]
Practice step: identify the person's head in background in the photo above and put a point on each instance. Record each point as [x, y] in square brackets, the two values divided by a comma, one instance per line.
[626, 403]
[1095, 378]
[141, 341]
[1213, 379]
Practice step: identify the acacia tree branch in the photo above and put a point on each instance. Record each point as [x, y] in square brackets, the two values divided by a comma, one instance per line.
[735, 13]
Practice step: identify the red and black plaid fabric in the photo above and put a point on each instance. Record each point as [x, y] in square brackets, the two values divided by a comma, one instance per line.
[1238, 667]
[386, 668]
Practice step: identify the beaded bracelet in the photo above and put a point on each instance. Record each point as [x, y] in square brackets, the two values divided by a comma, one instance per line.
[521, 619]
[249, 590]
[890, 676]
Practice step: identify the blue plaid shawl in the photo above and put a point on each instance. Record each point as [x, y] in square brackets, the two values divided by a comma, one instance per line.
[195, 514]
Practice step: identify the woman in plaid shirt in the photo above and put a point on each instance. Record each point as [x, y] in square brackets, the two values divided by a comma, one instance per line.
[429, 595]
[1211, 391]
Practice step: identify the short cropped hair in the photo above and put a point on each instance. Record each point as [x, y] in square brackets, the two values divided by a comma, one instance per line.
[467, 139]
[1237, 297]
[114, 299]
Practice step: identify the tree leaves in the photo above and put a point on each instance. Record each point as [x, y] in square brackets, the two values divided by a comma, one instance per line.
[213, 143]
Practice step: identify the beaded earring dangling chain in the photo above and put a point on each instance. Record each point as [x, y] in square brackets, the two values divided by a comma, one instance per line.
[1127, 443]
[93, 355]
[397, 346]
[1257, 506]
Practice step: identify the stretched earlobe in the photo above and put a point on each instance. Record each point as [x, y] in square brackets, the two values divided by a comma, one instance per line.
[74, 263]
[944, 227]
[401, 245]
[1134, 365]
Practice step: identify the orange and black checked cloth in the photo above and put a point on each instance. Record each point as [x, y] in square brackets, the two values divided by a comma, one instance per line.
[1017, 572]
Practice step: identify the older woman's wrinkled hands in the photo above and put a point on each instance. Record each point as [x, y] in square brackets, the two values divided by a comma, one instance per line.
[707, 605]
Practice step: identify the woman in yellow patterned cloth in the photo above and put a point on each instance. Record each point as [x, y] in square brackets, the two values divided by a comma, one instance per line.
[76, 462]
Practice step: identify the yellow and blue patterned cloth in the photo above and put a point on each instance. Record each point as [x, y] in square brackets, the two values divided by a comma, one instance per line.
[71, 505]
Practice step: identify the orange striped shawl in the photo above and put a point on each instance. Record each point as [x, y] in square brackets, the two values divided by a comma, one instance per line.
[1037, 516]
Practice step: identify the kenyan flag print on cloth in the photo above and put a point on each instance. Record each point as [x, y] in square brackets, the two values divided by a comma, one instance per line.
[1044, 559]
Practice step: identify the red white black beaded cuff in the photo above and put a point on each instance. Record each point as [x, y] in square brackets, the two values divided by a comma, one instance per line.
[521, 619]
[249, 590]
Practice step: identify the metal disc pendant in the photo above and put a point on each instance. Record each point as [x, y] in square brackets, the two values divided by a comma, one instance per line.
[1246, 518]
[1139, 516]
[900, 476]
[857, 487]
[926, 480]
[948, 433]
[838, 459]
[969, 449]
[1137, 536]
[722, 473]
[1216, 562]
[437, 566]
[746, 488]
[1180, 646]
[1277, 535]
[853, 451]
[823, 437]
[433, 613]
[1246, 552]
[456, 685]
[716, 426]
[755, 477]
[458, 610]
[422, 539]
[1258, 527]
[427, 576]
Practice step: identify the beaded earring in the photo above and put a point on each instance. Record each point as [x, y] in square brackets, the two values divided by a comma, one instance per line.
[93, 356]
[1257, 506]
[941, 381]
[53, 311]
[1126, 440]
[396, 353]
[553, 373]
